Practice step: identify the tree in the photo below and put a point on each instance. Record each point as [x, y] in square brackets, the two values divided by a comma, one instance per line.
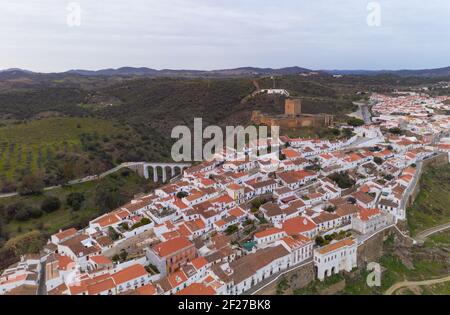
[113, 234]
[35, 213]
[320, 241]
[347, 133]
[355, 122]
[28, 243]
[123, 255]
[7, 187]
[51, 204]
[31, 185]
[378, 160]
[108, 197]
[343, 180]
[22, 215]
[395, 131]
[231, 229]
[75, 201]
[330, 208]
[182, 195]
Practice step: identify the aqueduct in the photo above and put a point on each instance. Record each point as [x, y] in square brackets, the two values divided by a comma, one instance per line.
[167, 170]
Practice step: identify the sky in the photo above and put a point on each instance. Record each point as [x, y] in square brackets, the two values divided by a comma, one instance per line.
[58, 35]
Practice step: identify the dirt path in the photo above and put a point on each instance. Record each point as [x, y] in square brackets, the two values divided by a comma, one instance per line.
[407, 284]
[420, 238]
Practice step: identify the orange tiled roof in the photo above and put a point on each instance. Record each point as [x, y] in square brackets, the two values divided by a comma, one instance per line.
[298, 225]
[171, 246]
[332, 247]
[129, 273]
[270, 231]
[66, 233]
[197, 289]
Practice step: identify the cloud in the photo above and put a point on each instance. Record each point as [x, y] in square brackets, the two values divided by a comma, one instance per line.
[206, 34]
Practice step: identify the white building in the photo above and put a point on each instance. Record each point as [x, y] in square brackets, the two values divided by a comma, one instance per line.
[333, 258]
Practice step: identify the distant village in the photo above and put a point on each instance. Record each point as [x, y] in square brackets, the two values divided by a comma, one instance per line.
[232, 226]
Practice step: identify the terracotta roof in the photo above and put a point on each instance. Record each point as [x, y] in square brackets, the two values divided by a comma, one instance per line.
[367, 214]
[65, 234]
[101, 286]
[298, 225]
[148, 289]
[107, 220]
[101, 260]
[246, 266]
[177, 278]
[236, 212]
[196, 289]
[64, 262]
[335, 246]
[269, 231]
[171, 246]
[129, 273]
[199, 262]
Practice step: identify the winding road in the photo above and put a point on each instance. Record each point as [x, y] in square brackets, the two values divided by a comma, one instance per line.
[86, 179]
[407, 284]
[421, 237]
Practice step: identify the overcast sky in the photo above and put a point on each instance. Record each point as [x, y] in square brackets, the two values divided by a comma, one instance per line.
[217, 34]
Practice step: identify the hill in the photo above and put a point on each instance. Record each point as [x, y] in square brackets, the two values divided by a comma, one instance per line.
[425, 73]
[236, 72]
[136, 114]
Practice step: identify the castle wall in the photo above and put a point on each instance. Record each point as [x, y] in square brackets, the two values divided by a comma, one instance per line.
[302, 121]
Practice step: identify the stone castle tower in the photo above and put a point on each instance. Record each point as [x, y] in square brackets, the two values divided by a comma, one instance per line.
[293, 107]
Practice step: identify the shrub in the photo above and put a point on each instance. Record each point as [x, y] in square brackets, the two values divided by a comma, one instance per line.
[113, 234]
[75, 201]
[355, 122]
[378, 160]
[50, 204]
[231, 229]
[343, 180]
[31, 185]
[182, 195]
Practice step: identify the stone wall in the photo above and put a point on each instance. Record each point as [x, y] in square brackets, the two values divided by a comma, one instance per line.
[286, 122]
[301, 277]
[297, 279]
[441, 159]
[371, 250]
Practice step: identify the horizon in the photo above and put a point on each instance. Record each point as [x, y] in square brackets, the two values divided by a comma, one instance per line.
[219, 69]
[51, 36]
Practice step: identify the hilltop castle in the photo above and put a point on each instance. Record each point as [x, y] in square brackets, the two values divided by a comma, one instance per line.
[293, 117]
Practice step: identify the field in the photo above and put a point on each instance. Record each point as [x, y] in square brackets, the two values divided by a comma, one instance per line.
[431, 208]
[123, 185]
[29, 146]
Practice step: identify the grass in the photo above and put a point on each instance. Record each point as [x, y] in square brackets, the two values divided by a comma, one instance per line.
[439, 239]
[30, 145]
[431, 208]
[65, 217]
[437, 289]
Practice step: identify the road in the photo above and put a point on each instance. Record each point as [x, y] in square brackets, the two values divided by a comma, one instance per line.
[407, 284]
[81, 180]
[364, 112]
[42, 288]
[421, 237]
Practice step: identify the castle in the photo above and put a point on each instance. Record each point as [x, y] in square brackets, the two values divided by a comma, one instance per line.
[293, 117]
